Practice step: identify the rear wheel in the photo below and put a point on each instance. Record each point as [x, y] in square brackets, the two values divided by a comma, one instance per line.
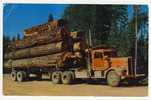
[67, 77]
[56, 77]
[20, 76]
[113, 79]
[14, 75]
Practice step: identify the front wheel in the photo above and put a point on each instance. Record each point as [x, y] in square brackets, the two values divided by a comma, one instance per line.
[113, 79]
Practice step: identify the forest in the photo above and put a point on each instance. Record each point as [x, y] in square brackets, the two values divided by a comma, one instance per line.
[110, 25]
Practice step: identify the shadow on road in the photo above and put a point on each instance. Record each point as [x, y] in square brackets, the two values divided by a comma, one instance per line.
[92, 82]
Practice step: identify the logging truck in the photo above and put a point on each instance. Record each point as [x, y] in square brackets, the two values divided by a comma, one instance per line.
[67, 60]
[100, 62]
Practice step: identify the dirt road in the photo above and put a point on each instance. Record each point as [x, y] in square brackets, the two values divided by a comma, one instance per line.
[45, 87]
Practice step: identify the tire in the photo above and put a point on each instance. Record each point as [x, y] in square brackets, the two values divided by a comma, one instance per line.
[14, 75]
[113, 79]
[20, 76]
[56, 77]
[67, 77]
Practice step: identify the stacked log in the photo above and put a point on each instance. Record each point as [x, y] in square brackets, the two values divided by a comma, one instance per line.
[41, 50]
[37, 40]
[45, 48]
[46, 45]
[42, 34]
[36, 30]
[42, 61]
[44, 39]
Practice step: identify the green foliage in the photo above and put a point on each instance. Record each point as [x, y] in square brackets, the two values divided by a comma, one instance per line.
[99, 19]
[110, 25]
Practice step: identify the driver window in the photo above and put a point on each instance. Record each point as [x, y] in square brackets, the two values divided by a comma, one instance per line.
[98, 55]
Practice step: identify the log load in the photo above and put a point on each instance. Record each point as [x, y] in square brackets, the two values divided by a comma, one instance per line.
[43, 61]
[44, 39]
[36, 51]
[42, 34]
[52, 31]
[42, 50]
[33, 31]
[37, 40]
[46, 45]
[52, 26]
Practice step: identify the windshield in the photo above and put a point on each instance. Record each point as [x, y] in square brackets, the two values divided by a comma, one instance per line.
[110, 54]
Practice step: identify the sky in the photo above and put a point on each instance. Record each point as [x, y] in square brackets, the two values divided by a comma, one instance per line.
[17, 17]
[144, 8]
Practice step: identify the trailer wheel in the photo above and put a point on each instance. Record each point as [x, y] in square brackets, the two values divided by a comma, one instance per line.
[20, 76]
[67, 77]
[14, 75]
[56, 77]
[113, 79]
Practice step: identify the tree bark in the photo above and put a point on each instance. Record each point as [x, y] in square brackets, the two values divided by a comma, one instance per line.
[44, 38]
[30, 42]
[36, 51]
[43, 61]
[42, 50]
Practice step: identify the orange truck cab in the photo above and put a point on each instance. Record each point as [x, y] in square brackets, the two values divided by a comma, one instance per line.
[104, 63]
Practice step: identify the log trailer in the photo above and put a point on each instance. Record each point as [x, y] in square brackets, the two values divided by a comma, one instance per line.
[99, 62]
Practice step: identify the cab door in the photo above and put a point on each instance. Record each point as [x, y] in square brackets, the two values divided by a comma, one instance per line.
[97, 60]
